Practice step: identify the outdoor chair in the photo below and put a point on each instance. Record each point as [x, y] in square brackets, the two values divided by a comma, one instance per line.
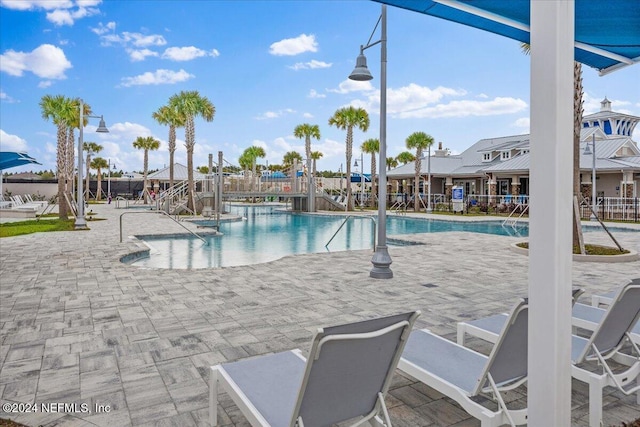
[614, 330]
[463, 374]
[346, 377]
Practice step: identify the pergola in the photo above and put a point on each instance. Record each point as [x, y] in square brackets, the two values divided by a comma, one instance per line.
[604, 35]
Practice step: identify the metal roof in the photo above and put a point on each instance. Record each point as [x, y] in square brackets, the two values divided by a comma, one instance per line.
[179, 173]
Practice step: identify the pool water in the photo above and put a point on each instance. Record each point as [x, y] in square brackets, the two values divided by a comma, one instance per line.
[268, 233]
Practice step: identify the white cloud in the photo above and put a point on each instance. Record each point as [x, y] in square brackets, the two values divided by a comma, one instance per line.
[295, 46]
[36, 4]
[130, 39]
[157, 78]
[274, 114]
[313, 64]
[465, 108]
[45, 61]
[102, 29]
[6, 98]
[187, 53]
[414, 97]
[11, 142]
[307, 115]
[523, 123]
[348, 86]
[314, 94]
[67, 17]
[45, 84]
[140, 54]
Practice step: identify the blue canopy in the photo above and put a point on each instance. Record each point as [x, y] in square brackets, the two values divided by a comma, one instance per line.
[11, 159]
[607, 33]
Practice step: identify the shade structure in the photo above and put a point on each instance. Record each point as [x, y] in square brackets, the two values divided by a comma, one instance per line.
[607, 33]
[601, 35]
[12, 159]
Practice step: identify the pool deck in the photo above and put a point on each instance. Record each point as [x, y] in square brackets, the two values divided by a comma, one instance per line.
[77, 325]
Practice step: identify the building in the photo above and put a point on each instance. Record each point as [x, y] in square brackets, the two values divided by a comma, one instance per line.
[500, 166]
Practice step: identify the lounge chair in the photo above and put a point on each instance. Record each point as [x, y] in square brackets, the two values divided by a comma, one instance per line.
[609, 335]
[346, 377]
[462, 374]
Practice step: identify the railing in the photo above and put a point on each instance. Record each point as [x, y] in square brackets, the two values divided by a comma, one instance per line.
[165, 214]
[399, 207]
[346, 220]
[514, 221]
[613, 208]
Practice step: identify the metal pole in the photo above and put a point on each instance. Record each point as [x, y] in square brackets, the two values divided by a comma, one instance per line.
[310, 190]
[220, 188]
[429, 210]
[593, 180]
[381, 259]
[109, 181]
[361, 180]
[80, 223]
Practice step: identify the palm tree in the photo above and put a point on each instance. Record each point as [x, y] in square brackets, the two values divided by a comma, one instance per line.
[90, 148]
[168, 116]
[289, 157]
[59, 109]
[249, 156]
[392, 162]
[346, 119]
[372, 146]
[146, 143]
[74, 124]
[420, 141]
[578, 101]
[307, 132]
[404, 158]
[98, 164]
[315, 155]
[190, 104]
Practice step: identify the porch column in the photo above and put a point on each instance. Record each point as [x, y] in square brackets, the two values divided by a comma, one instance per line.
[550, 223]
[515, 186]
[448, 186]
[627, 186]
[493, 188]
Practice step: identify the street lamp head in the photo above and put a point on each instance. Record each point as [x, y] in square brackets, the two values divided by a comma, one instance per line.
[355, 164]
[361, 72]
[587, 150]
[102, 128]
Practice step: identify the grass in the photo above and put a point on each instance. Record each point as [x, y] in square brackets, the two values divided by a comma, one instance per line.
[10, 229]
[589, 249]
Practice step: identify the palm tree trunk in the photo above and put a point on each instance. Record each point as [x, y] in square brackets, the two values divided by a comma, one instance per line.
[145, 192]
[99, 191]
[86, 179]
[577, 125]
[190, 142]
[416, 182]
[172, 150]
[62, 176]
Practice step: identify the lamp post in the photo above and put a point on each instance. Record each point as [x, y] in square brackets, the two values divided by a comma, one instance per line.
[429, 210]
[587, 152]
[81, 223]
[381, 259]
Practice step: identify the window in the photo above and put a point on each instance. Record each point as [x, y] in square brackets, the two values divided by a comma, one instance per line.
[486, 157]
[505, 155]
[525, 151]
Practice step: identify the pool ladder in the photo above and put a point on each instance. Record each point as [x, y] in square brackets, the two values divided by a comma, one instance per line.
[373, 229]
[168, 216]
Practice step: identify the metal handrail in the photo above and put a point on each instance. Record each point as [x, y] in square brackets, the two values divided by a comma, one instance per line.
[345, 221]
[168, 216]
[515, 221]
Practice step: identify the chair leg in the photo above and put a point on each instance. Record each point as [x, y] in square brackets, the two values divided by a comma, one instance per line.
[595, 402]
[213, 396]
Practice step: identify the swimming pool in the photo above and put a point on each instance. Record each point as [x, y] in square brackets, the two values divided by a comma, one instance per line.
[267, 233]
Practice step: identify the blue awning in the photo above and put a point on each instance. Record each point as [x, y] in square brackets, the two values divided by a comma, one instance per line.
[607, 33]
[11, 159]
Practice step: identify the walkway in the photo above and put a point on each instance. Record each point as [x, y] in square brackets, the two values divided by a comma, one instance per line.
[79, 326]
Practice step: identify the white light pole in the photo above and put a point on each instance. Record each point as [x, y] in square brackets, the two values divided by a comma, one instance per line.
[429, 210]
[587, 151]
[381, 259]
[81, 223]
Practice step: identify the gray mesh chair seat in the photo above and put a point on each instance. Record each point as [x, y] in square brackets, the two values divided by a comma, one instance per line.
[612, 328]
[461, 374]
[346, 377]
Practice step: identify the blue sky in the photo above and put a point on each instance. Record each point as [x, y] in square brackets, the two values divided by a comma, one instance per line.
[267, 66]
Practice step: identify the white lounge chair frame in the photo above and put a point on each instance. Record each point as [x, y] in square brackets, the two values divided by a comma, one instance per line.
[591, 349]
[307, 394]
[504, 361]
